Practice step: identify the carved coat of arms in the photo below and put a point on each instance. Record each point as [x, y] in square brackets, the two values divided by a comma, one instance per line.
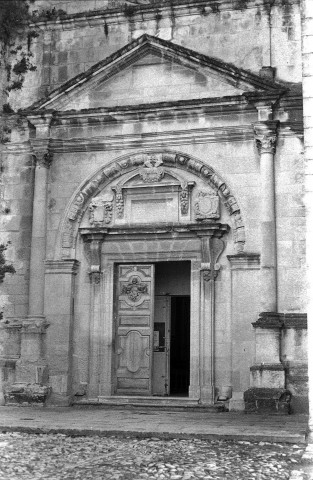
[135, 289]
[101, 210]
[207, 205]
[152, 171]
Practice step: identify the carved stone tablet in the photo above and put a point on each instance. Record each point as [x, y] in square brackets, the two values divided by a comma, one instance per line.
[207, 205]
[101, 210]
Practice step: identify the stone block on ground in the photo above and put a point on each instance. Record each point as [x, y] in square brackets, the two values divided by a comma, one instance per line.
[267, 400]
[26, 394]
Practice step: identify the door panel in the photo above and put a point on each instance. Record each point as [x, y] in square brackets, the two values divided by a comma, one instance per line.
[160, 377]
[134, 319]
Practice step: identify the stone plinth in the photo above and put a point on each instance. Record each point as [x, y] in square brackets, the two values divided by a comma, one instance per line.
[267, 400]
[26, 394]
[32, 365]
[236, 403]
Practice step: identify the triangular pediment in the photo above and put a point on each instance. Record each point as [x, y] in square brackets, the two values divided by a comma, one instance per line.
[151, 70]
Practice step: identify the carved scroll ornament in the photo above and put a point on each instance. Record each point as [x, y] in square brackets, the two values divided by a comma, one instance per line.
[212, 250]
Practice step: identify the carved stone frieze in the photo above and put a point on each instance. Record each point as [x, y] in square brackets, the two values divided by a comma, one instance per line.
[152, 171]
[135, 289]
[101, 210]
[206, 205]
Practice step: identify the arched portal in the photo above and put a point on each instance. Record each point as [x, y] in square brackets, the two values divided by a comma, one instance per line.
[149, 230]
[172, 161]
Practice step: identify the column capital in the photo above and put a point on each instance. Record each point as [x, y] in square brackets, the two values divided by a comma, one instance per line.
[41, 152]
[265, 134]
[43, 159]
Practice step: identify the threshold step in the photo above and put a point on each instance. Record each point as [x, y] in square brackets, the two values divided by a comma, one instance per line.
[171, 403]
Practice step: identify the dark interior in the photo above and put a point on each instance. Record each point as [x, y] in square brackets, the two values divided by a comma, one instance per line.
[180, 345]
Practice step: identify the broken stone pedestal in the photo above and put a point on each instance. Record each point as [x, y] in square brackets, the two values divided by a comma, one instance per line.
[267, 376]
[26, 394]
[267, 400]
[31, 368]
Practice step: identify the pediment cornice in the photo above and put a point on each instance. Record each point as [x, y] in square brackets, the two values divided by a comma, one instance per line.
[240, 79]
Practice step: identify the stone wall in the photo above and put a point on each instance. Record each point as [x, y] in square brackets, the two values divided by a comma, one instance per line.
[237, 34]
[250, 36]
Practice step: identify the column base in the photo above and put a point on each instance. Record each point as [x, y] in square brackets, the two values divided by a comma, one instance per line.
[26, 394]
[207, 395]
[194, 391]
[237, 403]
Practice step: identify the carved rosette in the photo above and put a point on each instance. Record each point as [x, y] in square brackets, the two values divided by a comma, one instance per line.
[207, 206]
[101, 210]
[266, 136]
[152, 171]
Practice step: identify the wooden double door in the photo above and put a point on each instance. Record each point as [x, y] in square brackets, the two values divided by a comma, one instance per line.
[151, 335]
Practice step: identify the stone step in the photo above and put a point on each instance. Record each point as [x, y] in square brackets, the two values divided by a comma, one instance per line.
[170, 403]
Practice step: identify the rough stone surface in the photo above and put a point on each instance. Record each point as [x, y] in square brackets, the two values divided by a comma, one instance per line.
[267, 400]
[26, 394]
[26, 456]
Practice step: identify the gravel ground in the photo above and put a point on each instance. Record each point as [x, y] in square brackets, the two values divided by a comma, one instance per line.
[59, 457]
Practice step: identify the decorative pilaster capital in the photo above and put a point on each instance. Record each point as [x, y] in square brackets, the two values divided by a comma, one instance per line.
[41, 152]
[43, 159]
[265, 134]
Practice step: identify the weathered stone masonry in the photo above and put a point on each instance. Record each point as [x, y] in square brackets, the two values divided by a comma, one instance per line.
[165, 152]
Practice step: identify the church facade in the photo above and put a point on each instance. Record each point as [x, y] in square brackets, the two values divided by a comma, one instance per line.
[152, 197]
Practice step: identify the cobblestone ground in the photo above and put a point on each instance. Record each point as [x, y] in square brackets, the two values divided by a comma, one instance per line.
[59, 457]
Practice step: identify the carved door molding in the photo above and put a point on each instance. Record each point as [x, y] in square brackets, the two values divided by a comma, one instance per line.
[134, 308]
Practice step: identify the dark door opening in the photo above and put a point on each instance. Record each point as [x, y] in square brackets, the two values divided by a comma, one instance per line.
[180, 345]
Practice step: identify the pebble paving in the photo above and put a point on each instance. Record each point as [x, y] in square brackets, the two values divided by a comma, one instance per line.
[60, 457]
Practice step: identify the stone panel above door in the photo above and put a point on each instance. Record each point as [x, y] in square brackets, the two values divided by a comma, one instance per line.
[153, 194]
